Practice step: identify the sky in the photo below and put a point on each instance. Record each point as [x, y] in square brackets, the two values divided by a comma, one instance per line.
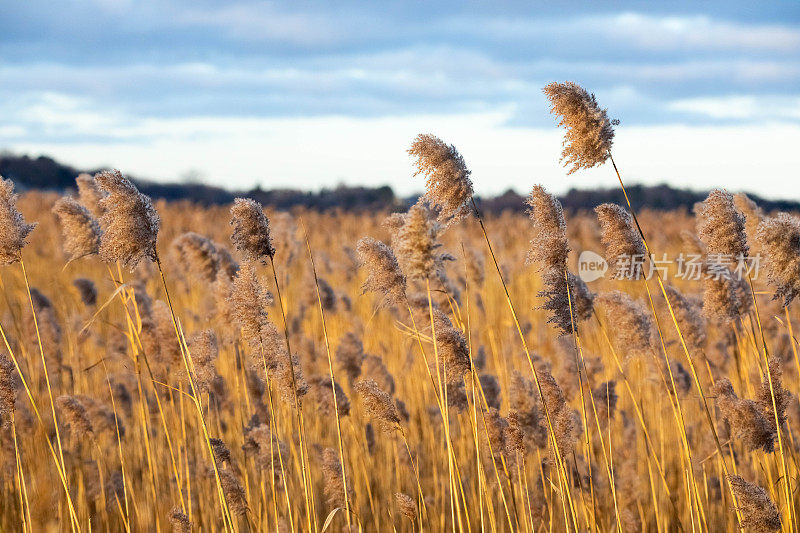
[313, 94]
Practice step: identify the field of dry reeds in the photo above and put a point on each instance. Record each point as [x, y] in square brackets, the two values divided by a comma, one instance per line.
[172, 367]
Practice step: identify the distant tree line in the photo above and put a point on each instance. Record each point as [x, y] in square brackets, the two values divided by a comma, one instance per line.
[45, 173]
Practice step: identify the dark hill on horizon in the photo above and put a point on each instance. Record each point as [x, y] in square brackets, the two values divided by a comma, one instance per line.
[44, 173]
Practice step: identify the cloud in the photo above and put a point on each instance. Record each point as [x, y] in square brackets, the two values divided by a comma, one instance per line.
[763, 108]
[197, 78]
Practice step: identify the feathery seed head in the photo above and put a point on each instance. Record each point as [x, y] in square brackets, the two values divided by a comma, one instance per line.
[378, 404]
[80, 230]
[407, 506]
[590, 133]
[384, 276]
[129, 221]
[90, 194]
[632, 326]
[448, 185]
[13, 229]
[779, 238]
[197, 255]
[8, 394]
[621, 240]
[414, 237]
[759, 513]
[753, 215]
[322, 395]
[332, 474]
[234, 492]
[453, 348]
[251, 233]
[75, 414]
[747, 420]
[721, 226]
[179, 521]
[549, 246]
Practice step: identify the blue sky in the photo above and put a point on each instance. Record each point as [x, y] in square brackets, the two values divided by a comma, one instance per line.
[311, 94]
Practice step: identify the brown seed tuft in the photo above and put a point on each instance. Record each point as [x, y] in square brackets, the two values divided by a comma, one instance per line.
[625, 250]
[759, 513]
[590, 134]
[179, 521]
[80, 230]
[779, 238]
[447, 183]
[721, 226]
[407, 506]
[384, 276]
[13, 229]
[251, 233]
[378, 404]
[130, 222]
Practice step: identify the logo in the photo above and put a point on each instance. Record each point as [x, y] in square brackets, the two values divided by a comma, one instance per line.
[591, 266]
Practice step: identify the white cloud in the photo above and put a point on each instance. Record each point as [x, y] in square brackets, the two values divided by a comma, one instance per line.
[742, 107]
[699, 33]
[643, 32]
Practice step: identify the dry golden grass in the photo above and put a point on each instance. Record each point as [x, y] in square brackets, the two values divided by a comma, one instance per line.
[121, 357]
[255, 384]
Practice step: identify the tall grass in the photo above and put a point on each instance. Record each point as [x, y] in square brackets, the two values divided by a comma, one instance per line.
[422, 379]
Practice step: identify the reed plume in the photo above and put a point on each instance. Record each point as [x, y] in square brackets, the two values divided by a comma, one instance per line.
[414, 239]
[75, 416]
[690, 320]
[561, 418]
[378, 404]
[235, 495]
[625, 250]
[334, 483]
[80, 230]
[384, 276]
[633, 328]
[179, 521]
[567, 299]
[721, 226]
[453, 348]
[14, 230]
[447, 179]
[548, 245]
[779, 238]
[726, 296]
[406, 505]
[130, 223]
[759, 513]
[524, 401]
[248, 302]
[268, 455]
[491, 390]
[782, 396]
[197, 255]
[589, 132]
[8, 393]
[375, 369]
[746, 418]
[90, 194]
[204, 350]
[251, 232]
[753, 215]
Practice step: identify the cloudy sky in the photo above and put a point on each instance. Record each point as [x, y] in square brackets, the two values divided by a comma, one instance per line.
[311, 94]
